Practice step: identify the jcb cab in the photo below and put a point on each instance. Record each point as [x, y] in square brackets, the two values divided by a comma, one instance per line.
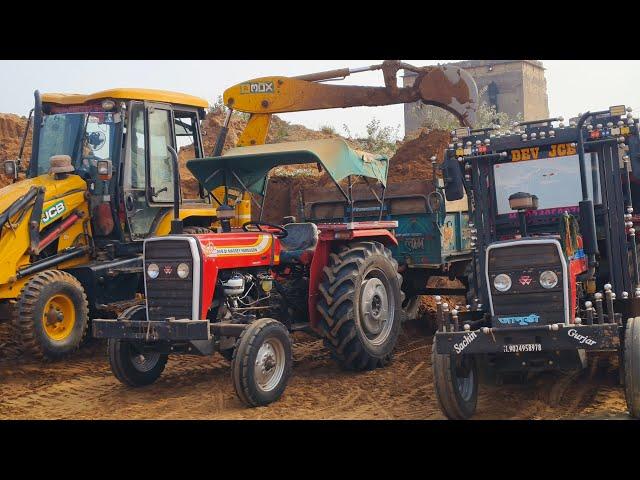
[555, 264]
[99, 181]
[241, 291]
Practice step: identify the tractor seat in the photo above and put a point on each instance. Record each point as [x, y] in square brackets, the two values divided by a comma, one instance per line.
[300, 243]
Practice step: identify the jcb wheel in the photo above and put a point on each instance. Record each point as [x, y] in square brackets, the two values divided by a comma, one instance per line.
[196, 230]
[361, 305]
[261, 364]
[632, 366]
[455, 379]
[52, 315]
[131, 365]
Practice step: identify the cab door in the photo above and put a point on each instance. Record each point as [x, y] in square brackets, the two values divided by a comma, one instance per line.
[148, 179]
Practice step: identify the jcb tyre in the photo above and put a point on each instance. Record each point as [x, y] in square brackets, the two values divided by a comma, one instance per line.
[129, 365]
[196, 230]
[632, 366]
[262, 361]
[361, 305]
[455, 379]
[52, 315]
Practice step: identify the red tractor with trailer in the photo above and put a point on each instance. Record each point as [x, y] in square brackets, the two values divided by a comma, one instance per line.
[241, 291]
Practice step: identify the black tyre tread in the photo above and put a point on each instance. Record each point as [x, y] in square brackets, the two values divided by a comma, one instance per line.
[337, 317]
[443, 385]
[114, 346]
[632, 366]
[119, 365]
[196, 230]
[240, 366]
[24, 323]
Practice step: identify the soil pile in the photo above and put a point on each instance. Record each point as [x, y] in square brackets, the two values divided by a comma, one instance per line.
[11, 130]
[412, 160]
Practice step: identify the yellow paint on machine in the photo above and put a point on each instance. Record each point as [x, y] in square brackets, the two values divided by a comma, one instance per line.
[147, 94]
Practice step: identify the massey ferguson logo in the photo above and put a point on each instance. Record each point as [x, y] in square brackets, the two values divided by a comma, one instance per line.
[167, 269]
[525, 280]
[257, 87]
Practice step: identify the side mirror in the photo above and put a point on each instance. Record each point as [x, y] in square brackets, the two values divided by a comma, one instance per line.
[453, 185]
[11, 169]
[105, 171]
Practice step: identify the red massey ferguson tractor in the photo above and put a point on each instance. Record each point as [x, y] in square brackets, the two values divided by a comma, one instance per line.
[241, 291]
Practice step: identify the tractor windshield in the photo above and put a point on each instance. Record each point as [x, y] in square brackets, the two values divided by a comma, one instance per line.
[85, 137]
[555, 181]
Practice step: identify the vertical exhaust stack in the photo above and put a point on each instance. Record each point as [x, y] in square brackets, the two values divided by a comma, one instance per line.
[176, 223]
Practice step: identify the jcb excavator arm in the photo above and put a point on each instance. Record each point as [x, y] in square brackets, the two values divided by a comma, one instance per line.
[445, 86]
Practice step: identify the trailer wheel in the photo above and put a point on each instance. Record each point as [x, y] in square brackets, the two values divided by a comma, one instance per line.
[632, 366]
[129, 365]
[52, 315]
[361, 305]
[261, 364]
[456, 384]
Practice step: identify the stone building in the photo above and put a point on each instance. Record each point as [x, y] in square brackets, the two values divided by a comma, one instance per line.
[513, 86]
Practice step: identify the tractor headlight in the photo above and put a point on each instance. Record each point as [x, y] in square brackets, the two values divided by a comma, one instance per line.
[502, 282]
[153, 270]
[183, 270]
[548, 279]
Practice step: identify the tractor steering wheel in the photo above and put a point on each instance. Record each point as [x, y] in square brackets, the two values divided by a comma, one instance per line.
[281, 233]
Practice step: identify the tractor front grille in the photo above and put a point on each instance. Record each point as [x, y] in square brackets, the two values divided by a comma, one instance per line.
[169, 295]
[527, 302]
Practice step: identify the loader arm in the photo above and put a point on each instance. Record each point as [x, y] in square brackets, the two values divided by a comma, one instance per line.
[447, 87]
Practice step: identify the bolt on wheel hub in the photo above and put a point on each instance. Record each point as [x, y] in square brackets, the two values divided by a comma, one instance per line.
[269, 364]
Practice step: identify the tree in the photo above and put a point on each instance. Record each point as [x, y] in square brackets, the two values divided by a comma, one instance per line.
[379, 139]
[486, 116]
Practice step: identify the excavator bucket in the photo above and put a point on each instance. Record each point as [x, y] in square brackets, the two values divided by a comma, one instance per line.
[451, 88]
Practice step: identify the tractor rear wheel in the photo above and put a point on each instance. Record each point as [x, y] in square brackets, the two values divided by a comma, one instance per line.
[361, 305]
[631, 367]
[261, 364]
[130, 365]
[455, 379]
[52, 315]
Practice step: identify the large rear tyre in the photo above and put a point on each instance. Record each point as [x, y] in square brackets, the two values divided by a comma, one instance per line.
[262, 361]
[52, 315]
[631, 366]
[455, 379]
[361, 305]
[131, 365]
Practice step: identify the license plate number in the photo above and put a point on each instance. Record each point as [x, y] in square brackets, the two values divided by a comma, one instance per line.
[523, 347]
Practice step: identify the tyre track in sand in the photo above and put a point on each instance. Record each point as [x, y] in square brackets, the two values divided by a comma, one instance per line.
[82, 387]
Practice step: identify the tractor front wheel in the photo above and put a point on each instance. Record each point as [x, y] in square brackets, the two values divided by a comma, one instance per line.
[131, 365]
[361, 305]
[455, 379]
[631, 368]
[262, 361]
[52, 315]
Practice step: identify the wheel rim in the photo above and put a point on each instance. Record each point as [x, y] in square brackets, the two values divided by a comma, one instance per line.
[59, 317]
[269, 366]
[464, 379]
[144, 362]
[376, 308]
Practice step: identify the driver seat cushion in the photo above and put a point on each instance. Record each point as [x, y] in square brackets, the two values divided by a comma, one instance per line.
[300, 243]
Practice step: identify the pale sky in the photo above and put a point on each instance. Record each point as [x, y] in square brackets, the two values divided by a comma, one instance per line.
[573, 86]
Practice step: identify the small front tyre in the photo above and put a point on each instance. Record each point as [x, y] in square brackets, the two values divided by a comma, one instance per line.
[455, 379]
[261, 364]
[130, 364]
[631, 368]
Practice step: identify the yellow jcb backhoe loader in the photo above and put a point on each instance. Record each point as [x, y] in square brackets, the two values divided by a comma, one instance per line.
[99, 181]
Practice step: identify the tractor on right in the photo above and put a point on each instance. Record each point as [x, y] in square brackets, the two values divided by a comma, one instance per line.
[554, 277]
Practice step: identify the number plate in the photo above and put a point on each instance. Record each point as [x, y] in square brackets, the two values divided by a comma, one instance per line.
[523, 347]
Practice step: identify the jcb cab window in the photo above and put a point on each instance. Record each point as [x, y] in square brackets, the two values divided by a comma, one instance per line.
[160, 163]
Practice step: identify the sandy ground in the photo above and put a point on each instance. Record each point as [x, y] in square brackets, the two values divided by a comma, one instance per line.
[82, 387]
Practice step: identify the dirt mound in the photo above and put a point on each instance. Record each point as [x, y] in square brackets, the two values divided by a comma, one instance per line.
[412, 160]
[11, 130]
